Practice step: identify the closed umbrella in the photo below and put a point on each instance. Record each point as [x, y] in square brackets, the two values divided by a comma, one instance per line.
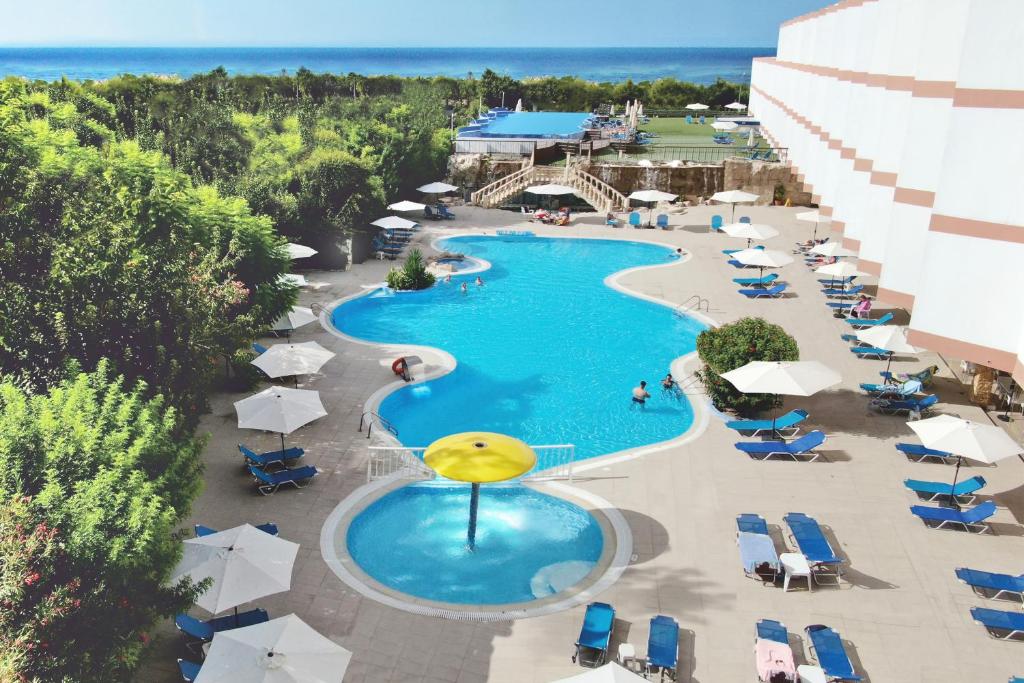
[750, 139]
[291, 360]
[734, 197]
[296, 317]
[519, 104]
[789, 378]
[279, 409]
[282, 650]
[965, 439]
[406, 205]
[245, 564]
[750, 231]
[763, 258]
[892, 338]
[394, 223]
[652, 196]
[736, 106]
[296, 251]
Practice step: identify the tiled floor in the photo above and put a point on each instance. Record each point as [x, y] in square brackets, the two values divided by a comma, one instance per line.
[901, 610]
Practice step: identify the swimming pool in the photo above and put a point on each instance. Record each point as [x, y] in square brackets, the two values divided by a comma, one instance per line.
[546, 351]
[532, 124]
[529, 545]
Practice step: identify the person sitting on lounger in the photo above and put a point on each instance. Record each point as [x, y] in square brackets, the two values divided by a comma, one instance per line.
[611, 220]
[640, 395]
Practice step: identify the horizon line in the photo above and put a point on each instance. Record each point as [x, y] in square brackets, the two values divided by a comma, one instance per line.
[125, 46]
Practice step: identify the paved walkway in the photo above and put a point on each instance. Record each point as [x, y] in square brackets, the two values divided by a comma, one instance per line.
[901, 610]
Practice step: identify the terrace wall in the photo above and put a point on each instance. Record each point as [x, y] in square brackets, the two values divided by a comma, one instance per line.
[902, 117]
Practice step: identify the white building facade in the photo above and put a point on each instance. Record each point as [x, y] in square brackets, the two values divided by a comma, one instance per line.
[905, 119]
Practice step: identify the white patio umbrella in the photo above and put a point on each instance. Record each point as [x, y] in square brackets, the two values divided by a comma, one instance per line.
[282, 650]
[437, 188]
[892, 338]
[394, 222]
[609, 673]
[291, 360]
[296, 317]
[965, 439]
[406, 205]
[519, 104]
[736, 106]
[279, 409]
[725, 125]
[789, 378]
[841, 269]
[652, 197]
[697, 107]
[299, 251]
[245, 564]
[750, 231]
[734, 197]
[763, 258]
[551, 189]
[813, 217]
[831, 249]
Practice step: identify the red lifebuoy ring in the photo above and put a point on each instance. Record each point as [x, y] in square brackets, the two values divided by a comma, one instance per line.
[396, 367]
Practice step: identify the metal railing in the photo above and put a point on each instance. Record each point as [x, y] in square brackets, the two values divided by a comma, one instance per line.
[697, 301]
[695, 153]
[369, 418]
[406, 462]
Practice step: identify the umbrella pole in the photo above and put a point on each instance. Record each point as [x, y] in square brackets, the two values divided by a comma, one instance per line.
[281, 434]
[474, 503]
[952, 488]
[296, 378]
[888, 365]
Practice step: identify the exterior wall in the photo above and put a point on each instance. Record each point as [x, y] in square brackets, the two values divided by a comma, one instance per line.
[903, 118]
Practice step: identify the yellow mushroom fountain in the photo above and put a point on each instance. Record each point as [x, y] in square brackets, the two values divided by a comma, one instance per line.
[479, 458]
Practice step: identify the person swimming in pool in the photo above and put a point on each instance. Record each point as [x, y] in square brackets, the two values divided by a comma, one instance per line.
[670, 386]
[448, 278]
[640, 395]
[464, 288]
[479, 281]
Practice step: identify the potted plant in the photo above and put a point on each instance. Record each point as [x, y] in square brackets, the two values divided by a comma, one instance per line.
[779, 196]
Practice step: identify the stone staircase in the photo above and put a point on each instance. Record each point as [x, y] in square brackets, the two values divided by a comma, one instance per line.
[599, 194]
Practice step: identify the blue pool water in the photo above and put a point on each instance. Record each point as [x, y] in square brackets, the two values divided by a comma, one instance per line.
[528, 545]
[535, 124]
[546, 351]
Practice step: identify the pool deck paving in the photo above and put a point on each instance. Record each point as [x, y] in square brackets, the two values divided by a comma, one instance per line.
[899, 608]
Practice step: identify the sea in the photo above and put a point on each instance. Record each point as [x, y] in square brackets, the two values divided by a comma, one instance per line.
[694, 64]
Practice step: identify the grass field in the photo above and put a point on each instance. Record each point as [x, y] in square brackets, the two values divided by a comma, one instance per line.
[679, 132]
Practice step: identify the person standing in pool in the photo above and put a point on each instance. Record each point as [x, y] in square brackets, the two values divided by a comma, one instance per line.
[479, 281]
[640, 395]
[464, 289]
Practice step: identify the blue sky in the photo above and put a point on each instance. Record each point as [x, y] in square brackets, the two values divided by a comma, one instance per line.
[386, 23]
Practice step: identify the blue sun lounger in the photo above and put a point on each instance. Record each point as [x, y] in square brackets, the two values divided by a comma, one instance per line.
[756, 281]
[918, 453]
[833, 281]
[259, 349]
[269, 482]
[805, 445]
[736, 264]
[935, 491]
[188, 670]
[443, 211]
[775, 631]
[840, 293]
[596, 633]
[771, 293]
[663, 647]
[869, 322]
[1000, 625]
[716, 223]
[828, 649]
[808, 536]
[730, 252]
[634, 219]
[904, 390]
[918, 406]
[994, 586]
[270, 457]
[869, 352]
[269, 528]
[973, 520]
[662, 221]
[751, 523]
[786, 423]
[203, 631]
[840, 305]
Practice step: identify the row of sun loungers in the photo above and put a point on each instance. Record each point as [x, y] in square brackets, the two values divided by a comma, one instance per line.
[775, 661]
[999, 624]
[760, 559]
[596, 633]
[269, 481]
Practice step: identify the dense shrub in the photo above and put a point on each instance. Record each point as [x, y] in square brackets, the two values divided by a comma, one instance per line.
[731, 346]
[413, 275]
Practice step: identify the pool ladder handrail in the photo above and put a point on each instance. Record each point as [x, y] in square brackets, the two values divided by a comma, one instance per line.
[369, 417]
[699, 300]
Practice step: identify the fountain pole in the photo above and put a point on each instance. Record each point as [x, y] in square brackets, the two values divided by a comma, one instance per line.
[474, 503]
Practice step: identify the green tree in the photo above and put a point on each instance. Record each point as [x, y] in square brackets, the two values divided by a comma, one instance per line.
[95, 478]
[733, 345]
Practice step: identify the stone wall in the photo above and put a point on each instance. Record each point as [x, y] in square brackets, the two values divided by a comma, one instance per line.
[761, 178]
[473, 171]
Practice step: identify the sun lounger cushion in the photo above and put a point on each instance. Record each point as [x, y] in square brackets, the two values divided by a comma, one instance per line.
[969, 520]
[767, 629]
[962, 488]
[751, 523]
[758, 555]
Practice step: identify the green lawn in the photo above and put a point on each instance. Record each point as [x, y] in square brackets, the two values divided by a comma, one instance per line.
[679, 132]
